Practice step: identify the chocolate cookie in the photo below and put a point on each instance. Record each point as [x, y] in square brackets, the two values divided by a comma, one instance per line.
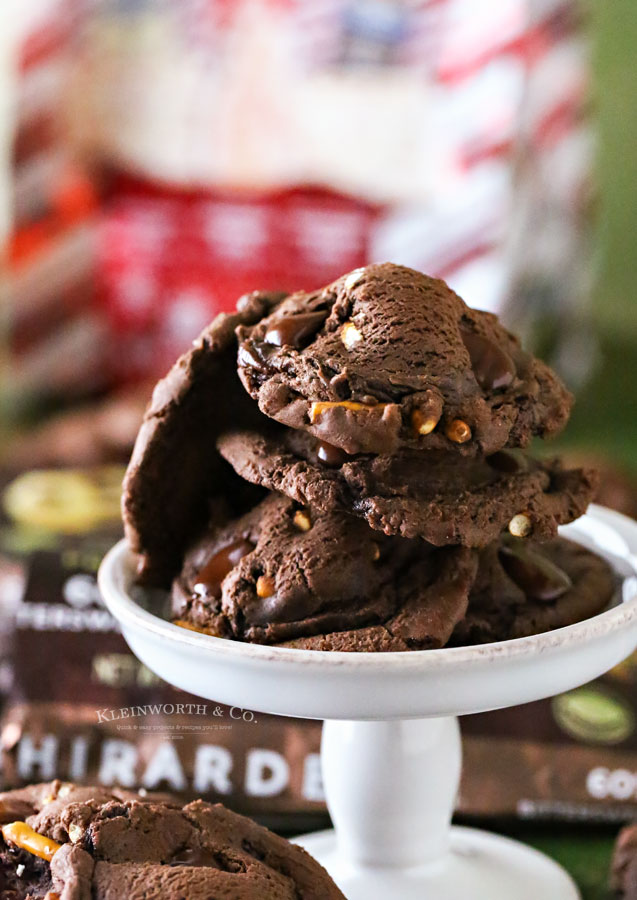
[623, 878]
[175, 473]
[520, 588]
[525, 588]
[71, 843]
[282, 572]
[437, 496]
[386, 357]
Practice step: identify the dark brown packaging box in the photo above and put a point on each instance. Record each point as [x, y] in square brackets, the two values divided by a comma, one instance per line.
[78, 705]
[572, 757]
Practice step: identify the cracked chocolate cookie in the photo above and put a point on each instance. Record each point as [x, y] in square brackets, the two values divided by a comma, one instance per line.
[437, 496]
[175, 474]
[623, 876]
[63, 842]
[386, 358]
[525, 588]
[283, 575]
[282, 572]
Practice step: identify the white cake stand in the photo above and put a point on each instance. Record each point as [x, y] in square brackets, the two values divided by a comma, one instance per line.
[391, 745]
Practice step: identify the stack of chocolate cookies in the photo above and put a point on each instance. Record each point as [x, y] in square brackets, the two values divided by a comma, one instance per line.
[346, 470]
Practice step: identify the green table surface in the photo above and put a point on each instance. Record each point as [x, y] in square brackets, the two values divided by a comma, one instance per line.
[585, 853]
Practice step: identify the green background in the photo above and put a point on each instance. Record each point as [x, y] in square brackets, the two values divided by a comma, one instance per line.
[605, 416]
[615, 25]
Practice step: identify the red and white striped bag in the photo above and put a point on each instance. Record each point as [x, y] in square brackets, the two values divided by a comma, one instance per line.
[284, 141]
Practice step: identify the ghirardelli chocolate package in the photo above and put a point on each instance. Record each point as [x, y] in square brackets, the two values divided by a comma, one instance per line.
[573, 757]
[76, 704]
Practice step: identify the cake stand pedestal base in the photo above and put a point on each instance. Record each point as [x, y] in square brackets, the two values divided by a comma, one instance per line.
[391, 788]
[479, 865]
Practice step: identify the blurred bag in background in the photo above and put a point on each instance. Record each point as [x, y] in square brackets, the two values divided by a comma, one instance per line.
[298, 139]
[258, 143]
[51, 330]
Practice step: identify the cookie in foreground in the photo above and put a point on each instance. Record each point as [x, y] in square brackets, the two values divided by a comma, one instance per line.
[623, 875]
[60, 841]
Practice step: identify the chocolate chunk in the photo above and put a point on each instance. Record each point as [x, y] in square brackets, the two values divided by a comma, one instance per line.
[509, 462]
[539, 577]
[330, 455]
[210, 577]
[196, 857]
[253, 355]
[493, 368]
[500, 610]
[293, 331]
[15, 810]
[339, 384]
